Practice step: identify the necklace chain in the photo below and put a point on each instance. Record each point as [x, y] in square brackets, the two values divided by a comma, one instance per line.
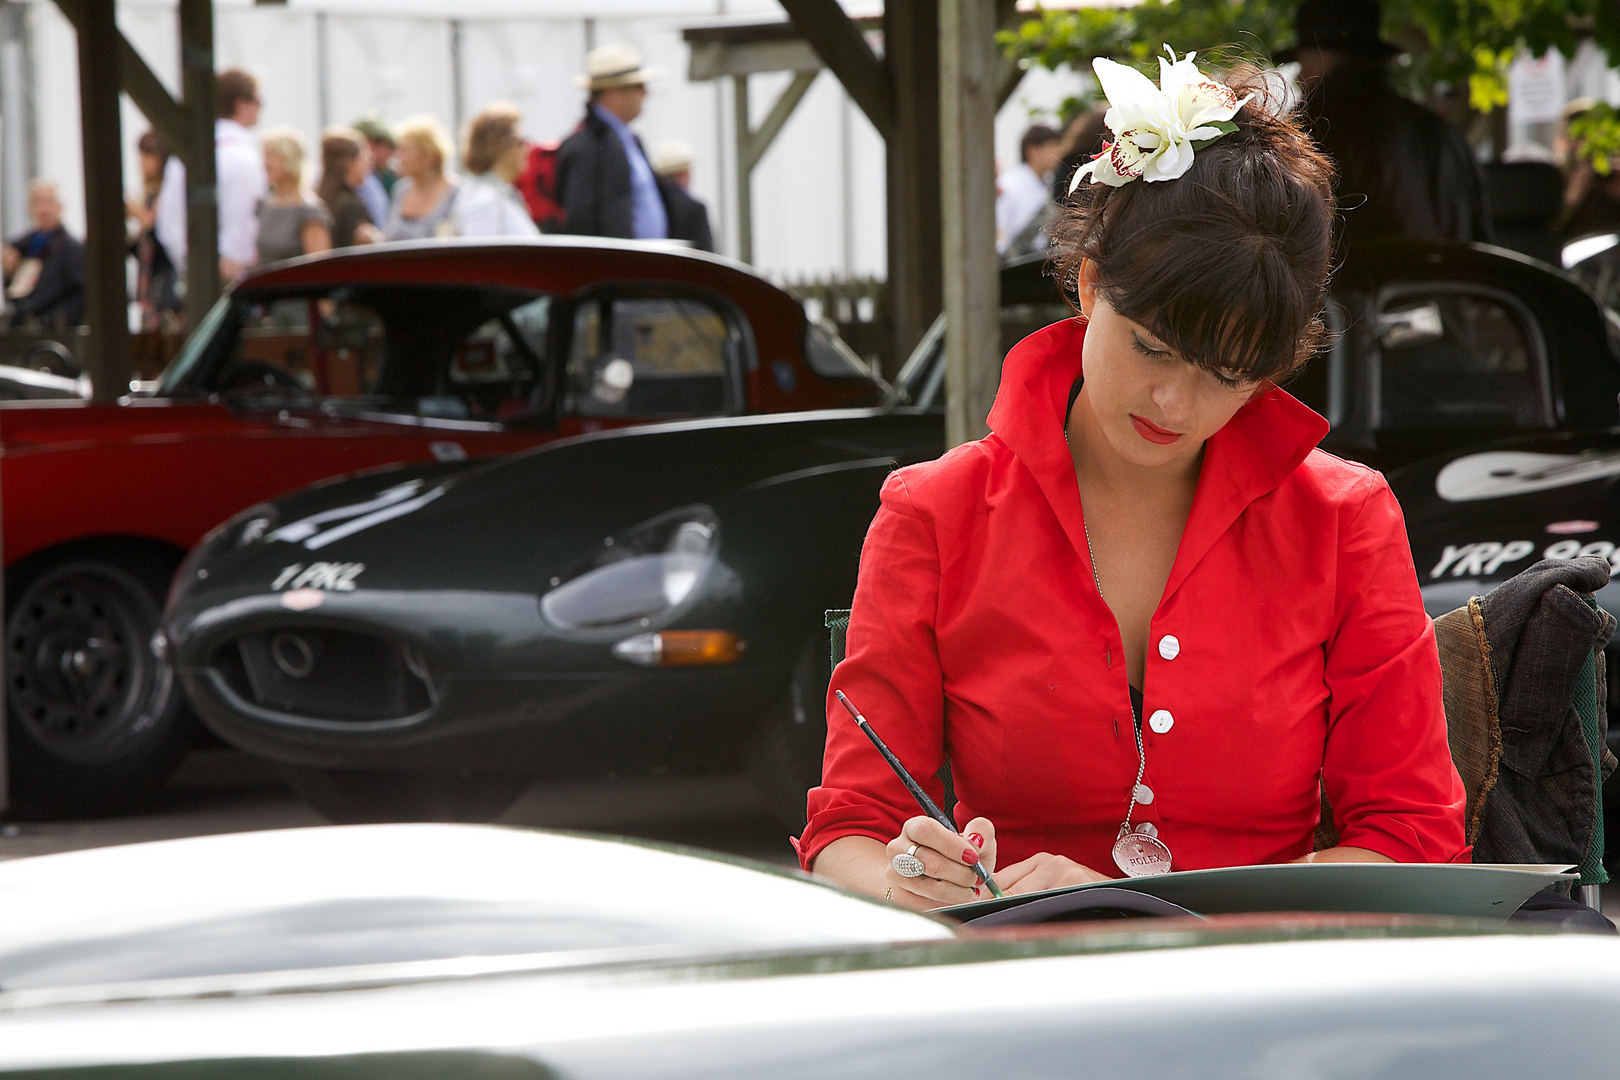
[1136, 722]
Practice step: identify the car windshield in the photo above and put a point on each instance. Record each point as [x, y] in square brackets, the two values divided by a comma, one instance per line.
[446, 352]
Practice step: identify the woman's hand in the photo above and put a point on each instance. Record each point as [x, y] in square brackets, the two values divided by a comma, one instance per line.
[1045, 871]
[947, 859]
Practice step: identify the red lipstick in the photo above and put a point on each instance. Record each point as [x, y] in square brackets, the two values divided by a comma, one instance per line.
[1152, 432]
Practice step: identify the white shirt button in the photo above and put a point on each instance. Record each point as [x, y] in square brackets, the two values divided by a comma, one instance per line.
[1143, 794]
[1147, 828]
[1169, 647]
[1161, 721]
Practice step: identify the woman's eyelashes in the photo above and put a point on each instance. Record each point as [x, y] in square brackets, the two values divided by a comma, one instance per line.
[1153, 351]
[1228, 380]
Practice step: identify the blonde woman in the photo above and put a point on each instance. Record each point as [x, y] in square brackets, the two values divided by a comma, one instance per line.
[292, 222]
[488, 204]
[424, 195]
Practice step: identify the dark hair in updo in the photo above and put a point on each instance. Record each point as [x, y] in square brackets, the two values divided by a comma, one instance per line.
[1228, 264]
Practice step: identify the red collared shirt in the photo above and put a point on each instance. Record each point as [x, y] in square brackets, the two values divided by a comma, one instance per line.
[1290, 650]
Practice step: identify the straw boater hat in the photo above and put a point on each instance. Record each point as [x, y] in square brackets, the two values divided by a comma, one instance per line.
[671, 157]
[614, 65]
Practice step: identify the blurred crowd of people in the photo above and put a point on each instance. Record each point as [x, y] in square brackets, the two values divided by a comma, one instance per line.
[372, 182]
[1401, 170]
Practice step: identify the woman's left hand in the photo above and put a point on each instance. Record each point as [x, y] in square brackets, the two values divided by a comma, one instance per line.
[1045, 871]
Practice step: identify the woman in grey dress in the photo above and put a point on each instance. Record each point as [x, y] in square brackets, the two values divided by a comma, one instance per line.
[291, 221]
[423, 196]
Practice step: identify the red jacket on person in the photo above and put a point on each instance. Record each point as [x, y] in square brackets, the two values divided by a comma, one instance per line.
[1290, 649]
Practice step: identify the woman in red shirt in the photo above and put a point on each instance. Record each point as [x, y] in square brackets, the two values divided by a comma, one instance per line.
[1145, 620]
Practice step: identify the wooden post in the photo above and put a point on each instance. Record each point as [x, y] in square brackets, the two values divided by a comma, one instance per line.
[202, 199]
[109, 360]
[911, 38]
[745, 169]
[969, 78]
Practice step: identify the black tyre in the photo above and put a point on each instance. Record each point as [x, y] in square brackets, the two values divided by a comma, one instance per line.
[359, 797]
[53, 358]
[95, 722]
[784, 761]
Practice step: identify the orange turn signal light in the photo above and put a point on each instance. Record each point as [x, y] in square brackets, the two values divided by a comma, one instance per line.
[681, 648]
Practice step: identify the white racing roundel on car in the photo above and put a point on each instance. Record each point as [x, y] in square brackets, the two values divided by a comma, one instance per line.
[1498, 474]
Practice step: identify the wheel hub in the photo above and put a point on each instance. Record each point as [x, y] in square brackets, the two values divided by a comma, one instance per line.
[79, 673]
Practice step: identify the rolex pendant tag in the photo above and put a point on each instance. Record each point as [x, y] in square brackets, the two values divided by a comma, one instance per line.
[1140, 855]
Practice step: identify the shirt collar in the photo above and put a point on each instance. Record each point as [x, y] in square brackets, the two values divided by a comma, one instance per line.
[229, 130]
[1258, 448]
[620, 128]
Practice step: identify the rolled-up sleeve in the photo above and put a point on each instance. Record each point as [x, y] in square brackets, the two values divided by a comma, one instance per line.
[1387, 767]
[891, 673]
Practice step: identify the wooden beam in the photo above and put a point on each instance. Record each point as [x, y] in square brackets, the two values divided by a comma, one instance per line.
[143, 87]
[716, 59]
[969, 79]
[760, 139]
[752, 144]
[202, 199]
[842, 47]
[167, 116]
[1009, 71]
[109, 359]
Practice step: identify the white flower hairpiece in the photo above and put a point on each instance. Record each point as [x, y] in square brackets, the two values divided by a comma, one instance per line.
[1157, 128]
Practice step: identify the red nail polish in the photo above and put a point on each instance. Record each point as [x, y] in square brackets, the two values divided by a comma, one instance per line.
[970, 856]
[976, 840]
[976, 891]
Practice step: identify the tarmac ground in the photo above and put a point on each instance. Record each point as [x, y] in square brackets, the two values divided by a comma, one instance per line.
[222, 791]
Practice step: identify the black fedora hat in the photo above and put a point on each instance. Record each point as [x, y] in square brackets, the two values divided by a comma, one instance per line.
[1349, 26]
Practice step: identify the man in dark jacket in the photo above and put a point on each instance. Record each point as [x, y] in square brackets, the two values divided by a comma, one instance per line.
[604, 181]
[1402, 170]
[688, 217]
[44, 270]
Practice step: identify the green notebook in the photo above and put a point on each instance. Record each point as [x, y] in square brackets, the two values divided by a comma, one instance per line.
[1482, 890]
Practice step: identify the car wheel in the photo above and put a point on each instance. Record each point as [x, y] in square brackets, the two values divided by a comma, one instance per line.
[784, 761]
[95, 722]
[358, 797]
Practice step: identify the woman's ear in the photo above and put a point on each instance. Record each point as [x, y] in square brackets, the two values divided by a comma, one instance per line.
[1085, 287]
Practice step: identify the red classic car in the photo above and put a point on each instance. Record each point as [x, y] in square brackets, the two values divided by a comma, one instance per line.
[321, 367]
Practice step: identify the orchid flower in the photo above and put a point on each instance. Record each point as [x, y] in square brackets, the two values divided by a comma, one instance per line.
[1157, 128]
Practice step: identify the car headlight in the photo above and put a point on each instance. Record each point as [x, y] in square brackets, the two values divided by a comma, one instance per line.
[650, 573]
[238, 532]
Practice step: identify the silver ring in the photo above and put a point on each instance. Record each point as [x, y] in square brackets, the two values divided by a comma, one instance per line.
[907, 865]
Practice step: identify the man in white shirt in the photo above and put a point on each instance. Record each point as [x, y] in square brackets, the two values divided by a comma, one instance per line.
[1026, 188]
[239, 176]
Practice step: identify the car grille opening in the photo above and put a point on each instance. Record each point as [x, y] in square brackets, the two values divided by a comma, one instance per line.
[327, 674]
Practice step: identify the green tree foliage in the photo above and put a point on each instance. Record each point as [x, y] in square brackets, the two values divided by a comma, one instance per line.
[1449, 42]
[1595, 134]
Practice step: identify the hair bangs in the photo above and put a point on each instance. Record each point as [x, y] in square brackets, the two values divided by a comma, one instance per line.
[1232, 307]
